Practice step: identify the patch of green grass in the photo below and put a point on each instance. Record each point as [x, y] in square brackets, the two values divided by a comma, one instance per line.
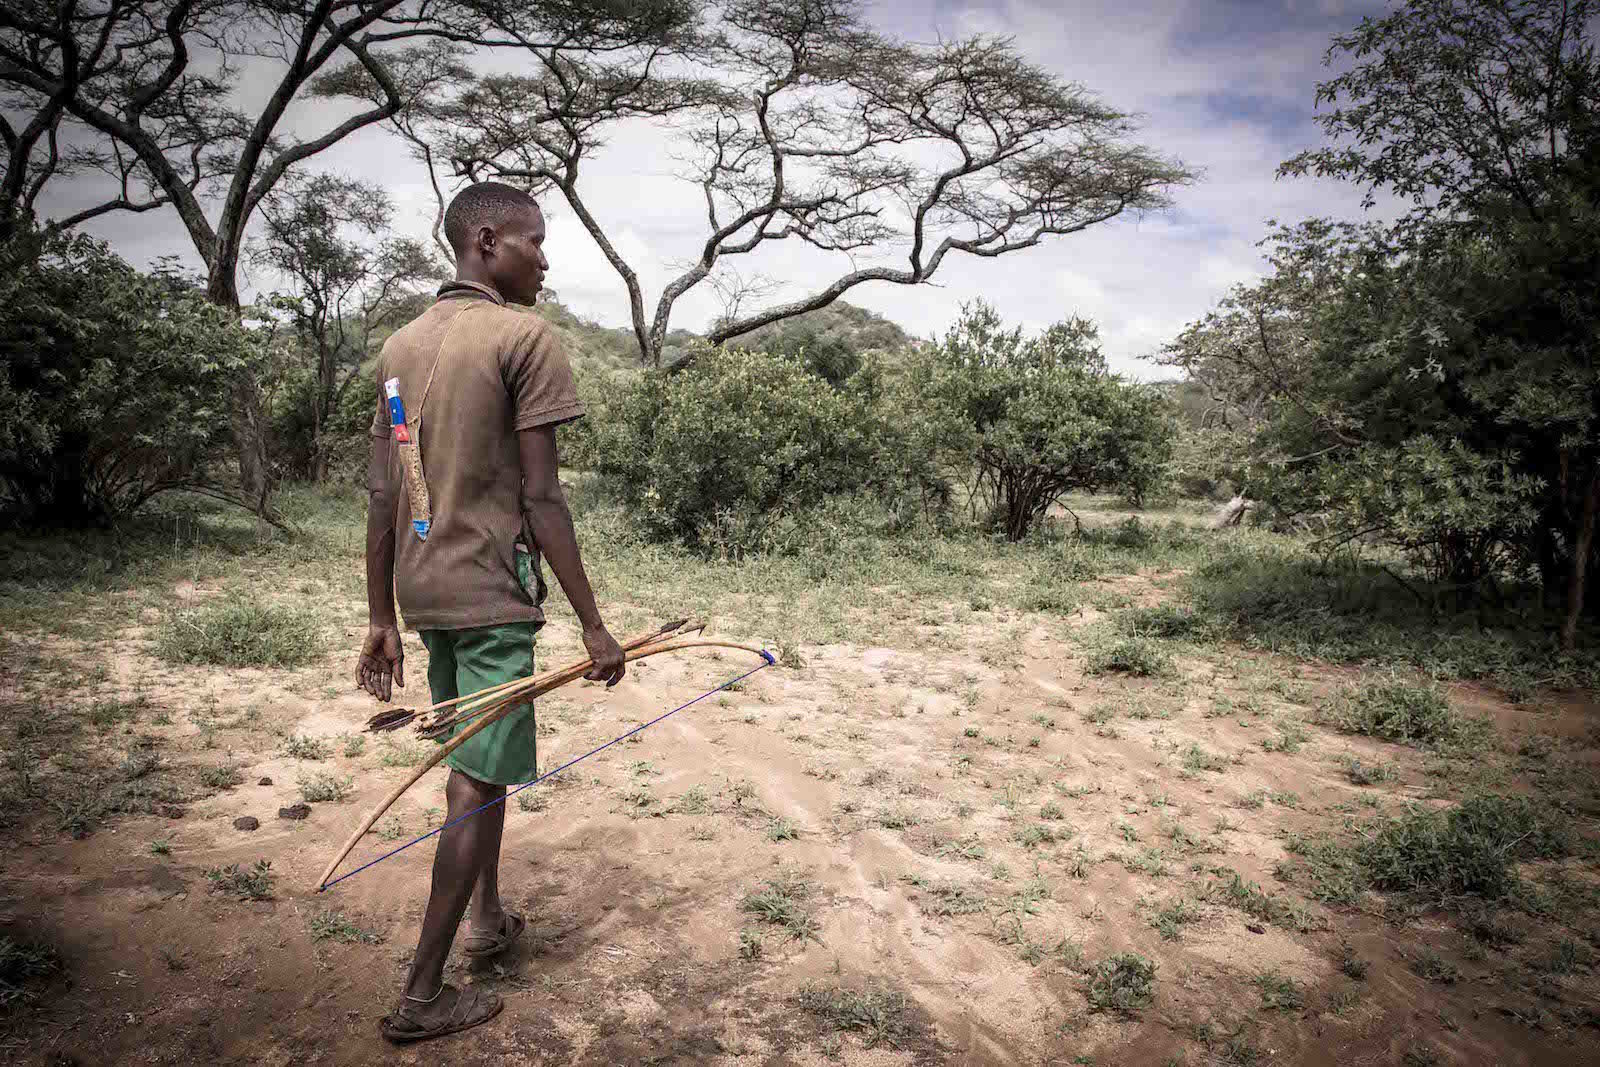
[1197, 759]
[23, 964]
[1031, 837]
[1336, 877]
[105, 714]
[1249, 898]
[692, 801]
[941, 899]
[877, 1014]
[782, 901]
[1470, 849]
[967, 848]
[1150, 861]
[354, 745]
[896, 818]
[638, 797]
[161, 846]
[1291, 735]
[139, 763]
[1134, 656]
[405, 753]
[1350, 964]
[1406, 714]
[750, 944]
[321, 787]
[781, 829]
[1434, 967]
[1284, 597]
[241, 632]
[1362, 773]
[224, 777]
[298, 746]
[1168, 621]
[333, 926]
[1170, 920]
[254, 883]
[1278, 992]
[1125, 983]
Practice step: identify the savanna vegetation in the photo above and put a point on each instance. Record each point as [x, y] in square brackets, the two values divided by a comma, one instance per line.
[1246, 714]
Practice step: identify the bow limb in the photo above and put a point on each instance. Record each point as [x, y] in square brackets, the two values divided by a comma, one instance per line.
[508, 704]
[398, 717]
[570, 674]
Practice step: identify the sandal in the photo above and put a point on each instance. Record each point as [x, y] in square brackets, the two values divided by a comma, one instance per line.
[472, 1008]
[511, 928]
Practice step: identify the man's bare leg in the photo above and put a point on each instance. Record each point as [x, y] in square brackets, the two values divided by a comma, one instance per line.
[465, 849]
[488, 915]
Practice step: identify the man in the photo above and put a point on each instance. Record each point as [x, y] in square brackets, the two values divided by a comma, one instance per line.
[484, 387]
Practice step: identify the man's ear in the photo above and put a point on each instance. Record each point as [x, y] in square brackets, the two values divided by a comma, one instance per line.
[487, 240]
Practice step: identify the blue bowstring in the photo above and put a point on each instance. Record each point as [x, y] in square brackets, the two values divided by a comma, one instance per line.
[502, 799]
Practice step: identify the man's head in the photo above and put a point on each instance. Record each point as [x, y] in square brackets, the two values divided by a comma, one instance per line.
[497, 233]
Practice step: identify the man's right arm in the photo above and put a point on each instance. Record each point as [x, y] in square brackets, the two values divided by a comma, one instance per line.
[549, 522]
[382, 652]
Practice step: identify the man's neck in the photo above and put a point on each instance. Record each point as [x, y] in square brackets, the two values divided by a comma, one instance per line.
[480, 283]
[466, 278]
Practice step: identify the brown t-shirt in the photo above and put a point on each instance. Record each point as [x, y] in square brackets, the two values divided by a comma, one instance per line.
[499, 371]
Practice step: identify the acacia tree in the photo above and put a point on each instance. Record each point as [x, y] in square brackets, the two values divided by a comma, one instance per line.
[803, 125]
[154, 87]
[329, 236]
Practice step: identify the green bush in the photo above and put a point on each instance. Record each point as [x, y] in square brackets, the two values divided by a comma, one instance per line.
[241, 632]
[1134, 656]
[1165, 621]
[1405, 713]
[1470, 849]
[1124, 983]
[23, 964]
[732, 454]
[115, 383]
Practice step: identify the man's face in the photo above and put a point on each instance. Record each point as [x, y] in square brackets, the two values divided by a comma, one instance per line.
[516, 261]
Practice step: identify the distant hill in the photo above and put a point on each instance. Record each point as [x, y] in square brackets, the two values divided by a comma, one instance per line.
[832, 336]
[839, 323]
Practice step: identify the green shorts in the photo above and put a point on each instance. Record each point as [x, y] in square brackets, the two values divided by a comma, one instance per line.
[465, 661]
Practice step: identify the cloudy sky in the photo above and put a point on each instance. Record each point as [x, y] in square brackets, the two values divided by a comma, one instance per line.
[1225, 86]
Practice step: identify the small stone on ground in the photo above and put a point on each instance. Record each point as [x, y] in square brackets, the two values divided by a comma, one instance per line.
[246, 822]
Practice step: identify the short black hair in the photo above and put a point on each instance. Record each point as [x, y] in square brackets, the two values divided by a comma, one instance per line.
[483, 204]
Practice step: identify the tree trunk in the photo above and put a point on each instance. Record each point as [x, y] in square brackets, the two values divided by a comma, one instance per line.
[249, 434]
[1580, 562]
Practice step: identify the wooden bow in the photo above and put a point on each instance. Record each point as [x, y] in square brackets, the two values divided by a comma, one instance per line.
[487, 706]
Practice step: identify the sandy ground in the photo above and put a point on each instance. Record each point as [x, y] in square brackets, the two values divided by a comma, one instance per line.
[883, 761]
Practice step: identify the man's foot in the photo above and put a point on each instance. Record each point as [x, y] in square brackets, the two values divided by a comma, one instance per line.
[450, 1011]
[479, 944]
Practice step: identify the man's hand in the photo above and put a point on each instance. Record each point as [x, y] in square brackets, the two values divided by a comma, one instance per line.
[609, 664]
[382, 657]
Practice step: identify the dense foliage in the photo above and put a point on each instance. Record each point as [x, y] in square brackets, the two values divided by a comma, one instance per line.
[114, 382]
[1039, 417]
[718, 455]
[1432, 386]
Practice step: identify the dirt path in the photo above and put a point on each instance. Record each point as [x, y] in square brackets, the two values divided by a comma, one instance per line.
[1077, 808]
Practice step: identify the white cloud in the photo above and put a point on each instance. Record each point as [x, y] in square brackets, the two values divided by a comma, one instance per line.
[1141, 279]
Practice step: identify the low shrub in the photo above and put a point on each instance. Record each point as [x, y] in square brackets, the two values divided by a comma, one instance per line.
[241, 632]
